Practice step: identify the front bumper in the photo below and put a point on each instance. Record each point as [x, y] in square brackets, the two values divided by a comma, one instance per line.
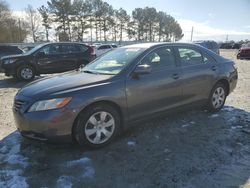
[51, 125]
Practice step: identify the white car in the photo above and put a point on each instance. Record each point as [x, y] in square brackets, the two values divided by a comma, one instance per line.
[104, 48]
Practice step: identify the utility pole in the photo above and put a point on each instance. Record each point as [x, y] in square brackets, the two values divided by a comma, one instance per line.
[192, 32]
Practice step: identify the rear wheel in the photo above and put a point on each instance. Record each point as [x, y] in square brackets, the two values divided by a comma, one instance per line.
[217, 97]
[97, 126]
[25, 72]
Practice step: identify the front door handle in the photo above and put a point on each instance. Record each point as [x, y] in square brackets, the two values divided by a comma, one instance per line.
[214, 68]
[176, 76]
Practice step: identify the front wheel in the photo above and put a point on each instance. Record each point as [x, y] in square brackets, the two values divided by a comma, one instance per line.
[97, 126]
[25, 72]
[217, 98]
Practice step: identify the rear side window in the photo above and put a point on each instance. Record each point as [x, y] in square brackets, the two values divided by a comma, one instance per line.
[83, 48]
[189, 56]
[51, 49]
[160, 58]
[208, 59]
[70, 48]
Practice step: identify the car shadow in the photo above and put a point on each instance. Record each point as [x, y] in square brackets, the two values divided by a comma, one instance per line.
[9, 82]
[181, 150]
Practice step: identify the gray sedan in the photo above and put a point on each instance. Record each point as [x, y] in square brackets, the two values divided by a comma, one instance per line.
[94, 104]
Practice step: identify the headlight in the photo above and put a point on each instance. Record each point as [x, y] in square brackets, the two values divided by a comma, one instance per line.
[9, 61]
[49, 104]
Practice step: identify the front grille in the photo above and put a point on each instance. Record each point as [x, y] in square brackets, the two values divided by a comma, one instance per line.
[18, 104]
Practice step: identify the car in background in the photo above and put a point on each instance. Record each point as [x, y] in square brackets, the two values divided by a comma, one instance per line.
[47, 58]
[101, 49]
[9, 50]
[244, 52]
[209, 44]
[129, 83]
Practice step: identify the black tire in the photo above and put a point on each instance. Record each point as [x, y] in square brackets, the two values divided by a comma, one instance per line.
[211, 106]
[82, 122]
[20, 73]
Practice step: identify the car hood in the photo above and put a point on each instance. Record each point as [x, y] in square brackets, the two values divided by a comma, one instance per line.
[13, 56]
[61, 84]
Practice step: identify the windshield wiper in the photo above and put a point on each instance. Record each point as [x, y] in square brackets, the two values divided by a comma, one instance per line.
[88, 71]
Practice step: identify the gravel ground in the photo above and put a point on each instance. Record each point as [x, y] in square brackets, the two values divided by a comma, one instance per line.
[186, 149]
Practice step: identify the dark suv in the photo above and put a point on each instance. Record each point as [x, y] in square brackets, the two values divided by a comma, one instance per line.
[209, 44]
[47, 58]
[9, 50]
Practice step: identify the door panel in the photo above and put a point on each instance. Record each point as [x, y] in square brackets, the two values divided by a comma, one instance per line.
[51, 59]
[198, 74]
[156, 91]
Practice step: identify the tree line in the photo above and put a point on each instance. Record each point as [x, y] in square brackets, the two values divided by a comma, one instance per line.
[96, 20]
[11, 28]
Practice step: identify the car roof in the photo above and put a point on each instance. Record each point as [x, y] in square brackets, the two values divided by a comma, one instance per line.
[63, 43]
[149, 45]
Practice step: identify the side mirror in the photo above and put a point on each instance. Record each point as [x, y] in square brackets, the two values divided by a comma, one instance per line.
[40, 54]
[143, 69]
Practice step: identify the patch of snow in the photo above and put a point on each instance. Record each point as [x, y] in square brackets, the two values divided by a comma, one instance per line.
[228, 108]
[166, 150]
[17, 160]
[214, 116]
[15, 149]
[3, 149]
[85, 165]
[64, 182]
[185, 125]
[13, 179]
[236, 127]
[157, 137]
[192, 122]
[89, 173]
[131, 143]
[82, 161]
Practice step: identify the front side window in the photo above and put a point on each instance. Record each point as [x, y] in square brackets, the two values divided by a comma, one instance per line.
[51, 49]
[114, 61]
[160, 58]
[189, 56]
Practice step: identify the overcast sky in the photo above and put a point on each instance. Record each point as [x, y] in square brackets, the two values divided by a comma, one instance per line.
[211, 19]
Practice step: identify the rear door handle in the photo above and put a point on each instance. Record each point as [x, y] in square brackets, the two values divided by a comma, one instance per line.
[176, 76]
[214, 68]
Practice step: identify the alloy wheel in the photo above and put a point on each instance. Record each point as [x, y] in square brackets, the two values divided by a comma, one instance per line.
[218, 97]
[99, 127]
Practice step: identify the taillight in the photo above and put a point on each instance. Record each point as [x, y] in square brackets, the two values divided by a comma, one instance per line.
[92, 51]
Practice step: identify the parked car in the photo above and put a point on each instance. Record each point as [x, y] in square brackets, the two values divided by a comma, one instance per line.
[126, 84]
[9, 50]
[244, 52]
[47, 58]
[104, 48]
[209, 44]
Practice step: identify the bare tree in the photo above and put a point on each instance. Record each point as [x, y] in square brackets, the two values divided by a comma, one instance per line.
[33, 20]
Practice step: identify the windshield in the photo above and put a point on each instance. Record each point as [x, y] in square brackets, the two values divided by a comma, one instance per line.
[113, 62]
[33, 49]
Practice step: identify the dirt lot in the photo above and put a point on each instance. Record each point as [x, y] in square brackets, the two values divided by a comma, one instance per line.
[187, 149]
